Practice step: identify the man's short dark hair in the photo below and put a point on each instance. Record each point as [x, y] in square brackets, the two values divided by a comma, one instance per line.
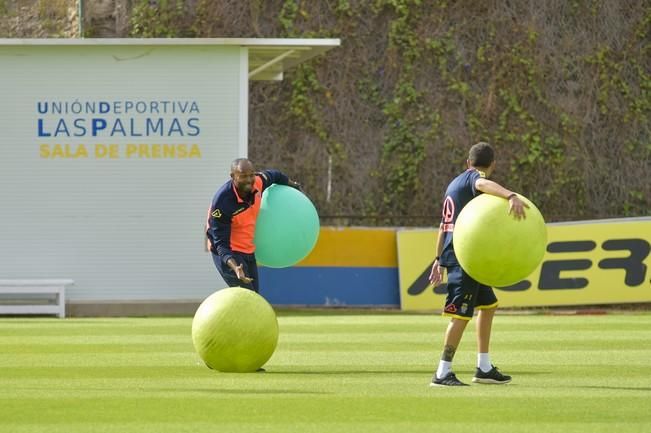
[481, 155]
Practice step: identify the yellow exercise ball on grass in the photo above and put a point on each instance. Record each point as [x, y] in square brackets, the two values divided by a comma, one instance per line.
[493, 247]
[235, 330]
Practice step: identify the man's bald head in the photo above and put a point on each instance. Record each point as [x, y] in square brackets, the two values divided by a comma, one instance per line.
[243, 175]
[241, 165]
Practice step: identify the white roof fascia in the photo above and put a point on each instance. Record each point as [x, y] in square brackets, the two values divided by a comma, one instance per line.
[268, 58]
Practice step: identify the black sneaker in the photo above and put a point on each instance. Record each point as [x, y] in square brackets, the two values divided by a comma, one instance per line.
[493, 376]
[450, 379]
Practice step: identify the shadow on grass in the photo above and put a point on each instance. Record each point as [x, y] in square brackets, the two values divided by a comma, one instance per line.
[215, 391]
[236, 391]
[622, 388]
[348, 372]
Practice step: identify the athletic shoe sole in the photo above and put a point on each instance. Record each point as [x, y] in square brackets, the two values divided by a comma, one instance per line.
[490, 381]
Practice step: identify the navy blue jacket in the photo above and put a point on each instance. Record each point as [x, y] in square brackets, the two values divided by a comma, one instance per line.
[231, 219]
[459, 192]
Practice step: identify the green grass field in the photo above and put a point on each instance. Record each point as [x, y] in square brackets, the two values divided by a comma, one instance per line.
[330, 373]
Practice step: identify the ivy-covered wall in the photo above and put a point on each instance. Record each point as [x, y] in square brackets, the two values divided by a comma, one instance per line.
[38, 19]
[376, 128]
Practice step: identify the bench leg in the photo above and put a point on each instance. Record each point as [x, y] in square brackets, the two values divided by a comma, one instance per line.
[62, 303]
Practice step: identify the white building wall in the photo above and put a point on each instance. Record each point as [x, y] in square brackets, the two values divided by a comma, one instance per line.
[130, 227]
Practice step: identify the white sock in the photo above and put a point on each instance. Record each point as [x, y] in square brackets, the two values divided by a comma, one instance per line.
[484, 362]
[444, 368]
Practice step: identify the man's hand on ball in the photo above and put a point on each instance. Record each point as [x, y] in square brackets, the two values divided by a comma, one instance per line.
[295, 185]
[516, 207]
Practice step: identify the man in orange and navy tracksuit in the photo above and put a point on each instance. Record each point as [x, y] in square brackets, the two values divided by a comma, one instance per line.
[231, 222]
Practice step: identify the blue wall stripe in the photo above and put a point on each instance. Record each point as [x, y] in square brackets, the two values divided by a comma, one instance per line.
[330, 286]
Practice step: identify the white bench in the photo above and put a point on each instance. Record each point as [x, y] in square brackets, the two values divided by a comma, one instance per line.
[17, 288]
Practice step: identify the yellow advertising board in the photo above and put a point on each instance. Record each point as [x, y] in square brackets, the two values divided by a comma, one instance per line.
[591, 262]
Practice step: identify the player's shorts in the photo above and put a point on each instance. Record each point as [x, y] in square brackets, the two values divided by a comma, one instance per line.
[250, 269]
[465, 295]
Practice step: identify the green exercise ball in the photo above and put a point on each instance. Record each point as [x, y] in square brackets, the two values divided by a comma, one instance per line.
[287, 227]
[493, 247]
[235, 330]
